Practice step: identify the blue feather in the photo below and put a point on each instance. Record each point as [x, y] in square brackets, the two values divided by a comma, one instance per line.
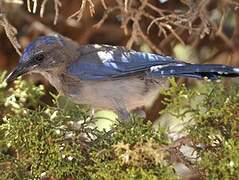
[115, 63]
[107, 62]
[40, 41]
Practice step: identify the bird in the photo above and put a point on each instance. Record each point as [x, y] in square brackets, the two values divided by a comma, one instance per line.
[105, 76]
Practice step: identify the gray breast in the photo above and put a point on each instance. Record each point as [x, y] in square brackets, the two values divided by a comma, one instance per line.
[127, 93]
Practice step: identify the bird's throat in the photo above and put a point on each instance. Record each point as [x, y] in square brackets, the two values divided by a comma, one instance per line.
[53, 79]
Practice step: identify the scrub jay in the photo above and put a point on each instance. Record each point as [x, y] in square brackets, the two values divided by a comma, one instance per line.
[107, 76]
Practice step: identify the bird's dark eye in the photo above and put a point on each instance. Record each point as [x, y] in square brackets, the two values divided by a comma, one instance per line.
[38, 58]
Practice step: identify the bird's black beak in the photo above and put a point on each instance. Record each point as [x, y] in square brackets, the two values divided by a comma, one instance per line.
[18, 71]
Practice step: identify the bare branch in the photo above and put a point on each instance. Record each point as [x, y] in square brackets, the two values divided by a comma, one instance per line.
[34, 9]
[103, 4]
[29, 6]
[57, 5]
[78, 14]
[43, 4]
[11, 33]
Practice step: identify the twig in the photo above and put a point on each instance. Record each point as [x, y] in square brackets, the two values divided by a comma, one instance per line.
[105, 16]
[57, 5]
[103, 4]
[220, 33]
[29, 6]
[34, 9]
[11, 33]
[43, 4]
[78, 14]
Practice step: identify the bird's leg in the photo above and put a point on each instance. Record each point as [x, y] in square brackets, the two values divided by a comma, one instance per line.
[139, 112]
[122, 112]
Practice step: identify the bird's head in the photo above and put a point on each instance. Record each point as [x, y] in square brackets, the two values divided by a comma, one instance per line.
[43, 54]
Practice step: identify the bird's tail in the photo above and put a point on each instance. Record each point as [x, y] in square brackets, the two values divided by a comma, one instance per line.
[200, 71]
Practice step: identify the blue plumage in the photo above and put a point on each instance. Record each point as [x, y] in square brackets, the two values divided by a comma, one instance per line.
[108, 62]
[115, 63]
[108, 76]
[38, 43]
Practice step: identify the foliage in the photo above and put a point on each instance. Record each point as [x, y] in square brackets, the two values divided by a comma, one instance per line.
[211, 112]
[59, 142]
[62, 141]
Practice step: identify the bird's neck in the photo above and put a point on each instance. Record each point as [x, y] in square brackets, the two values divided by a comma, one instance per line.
[53, 78]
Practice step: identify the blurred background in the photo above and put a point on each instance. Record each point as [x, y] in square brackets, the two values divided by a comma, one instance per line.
[196, 31]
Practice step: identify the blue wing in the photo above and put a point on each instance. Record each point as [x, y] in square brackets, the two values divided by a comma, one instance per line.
[105, 62]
